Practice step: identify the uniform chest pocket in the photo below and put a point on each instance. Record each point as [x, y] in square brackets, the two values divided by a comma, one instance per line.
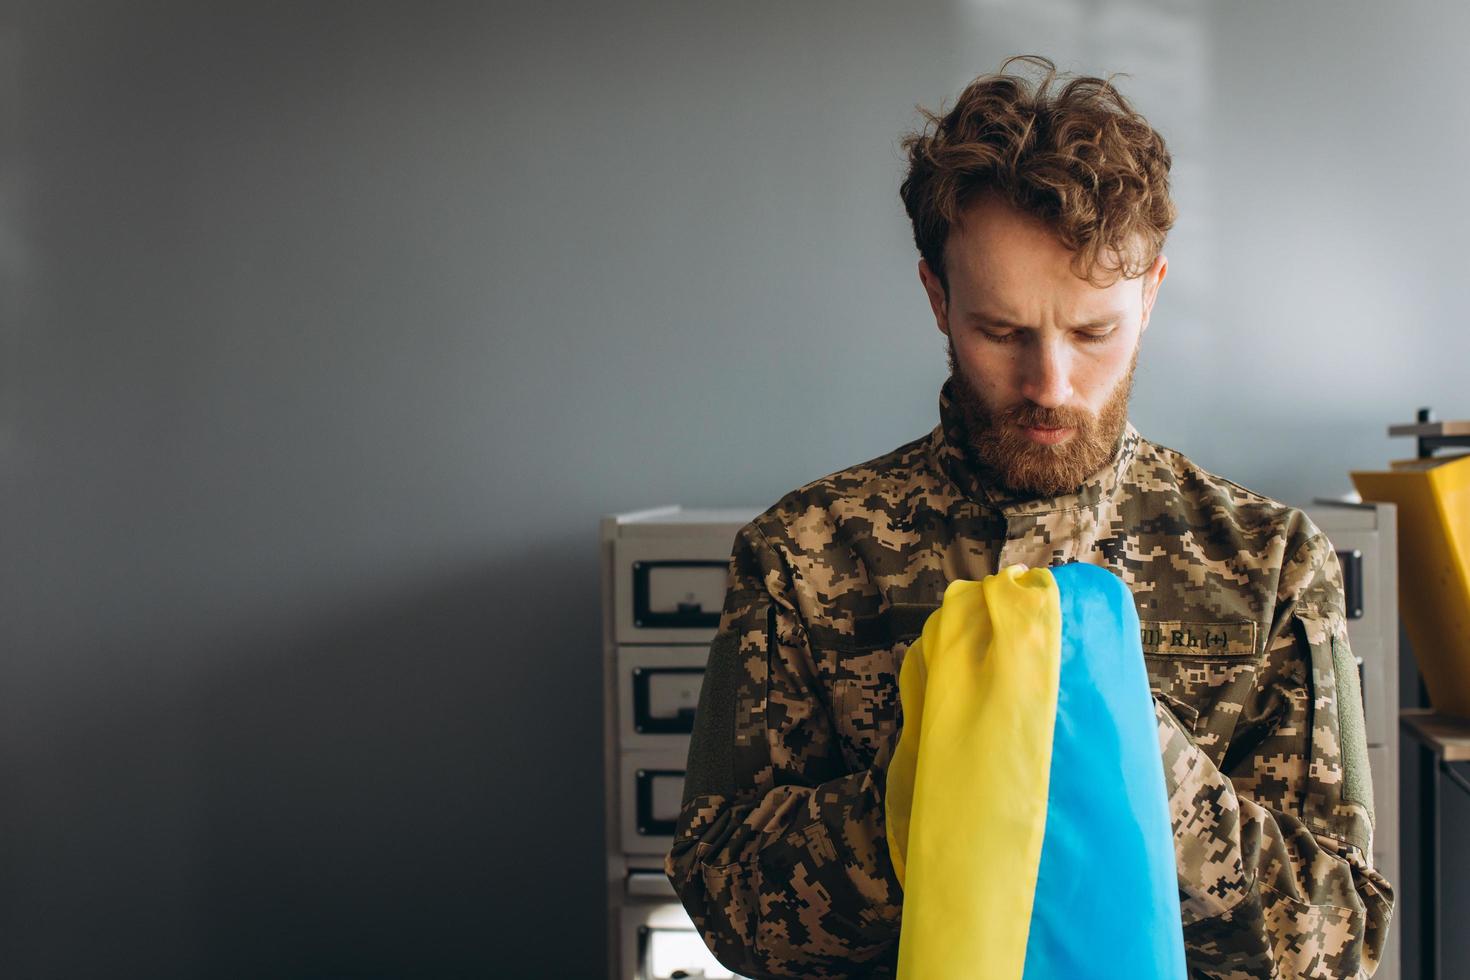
[866, 713]
[1203, 672]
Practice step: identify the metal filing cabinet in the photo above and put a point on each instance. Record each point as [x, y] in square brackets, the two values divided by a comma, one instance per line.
[1365, 538]
[663, 587]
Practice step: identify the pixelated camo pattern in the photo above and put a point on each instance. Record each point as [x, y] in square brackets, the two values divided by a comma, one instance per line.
[779, 852]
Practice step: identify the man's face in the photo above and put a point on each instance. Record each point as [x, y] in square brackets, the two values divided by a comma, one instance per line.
[1042, 360]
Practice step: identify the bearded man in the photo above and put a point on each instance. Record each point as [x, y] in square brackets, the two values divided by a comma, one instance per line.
[1039, 217]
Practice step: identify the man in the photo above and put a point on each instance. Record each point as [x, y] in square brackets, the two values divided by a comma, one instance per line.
[1039, 217]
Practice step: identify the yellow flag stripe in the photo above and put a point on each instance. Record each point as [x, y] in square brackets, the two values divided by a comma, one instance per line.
[967, 786]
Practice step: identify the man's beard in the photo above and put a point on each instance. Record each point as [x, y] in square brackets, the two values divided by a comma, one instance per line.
[1026, 467]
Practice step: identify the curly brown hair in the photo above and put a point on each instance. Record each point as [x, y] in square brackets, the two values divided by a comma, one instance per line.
[1082, 160]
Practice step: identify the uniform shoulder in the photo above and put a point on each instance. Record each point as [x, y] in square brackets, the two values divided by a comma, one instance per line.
[1215, 501]
[872, 488]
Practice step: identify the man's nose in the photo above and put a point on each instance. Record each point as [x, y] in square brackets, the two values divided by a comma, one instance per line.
[1048, 375]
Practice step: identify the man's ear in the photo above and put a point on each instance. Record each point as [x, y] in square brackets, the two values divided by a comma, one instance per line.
[935, 291]
[1152, 280]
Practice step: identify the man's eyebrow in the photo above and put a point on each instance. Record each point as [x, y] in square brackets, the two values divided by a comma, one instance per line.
[1000, 321]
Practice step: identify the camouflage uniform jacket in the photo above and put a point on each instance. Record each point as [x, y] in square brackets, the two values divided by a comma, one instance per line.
[779, 852]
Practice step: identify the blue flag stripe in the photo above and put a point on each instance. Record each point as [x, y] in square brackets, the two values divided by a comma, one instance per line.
[1107, 901]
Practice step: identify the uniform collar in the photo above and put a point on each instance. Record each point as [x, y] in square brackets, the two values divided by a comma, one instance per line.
[953, 455]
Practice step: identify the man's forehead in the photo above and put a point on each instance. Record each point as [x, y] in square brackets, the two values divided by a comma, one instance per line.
[1082, 301]
[1015, 299]
[998, 254]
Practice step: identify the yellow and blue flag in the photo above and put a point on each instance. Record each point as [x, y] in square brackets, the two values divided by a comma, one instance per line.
[1027, 818]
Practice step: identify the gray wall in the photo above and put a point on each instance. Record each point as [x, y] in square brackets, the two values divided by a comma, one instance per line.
[330, 330]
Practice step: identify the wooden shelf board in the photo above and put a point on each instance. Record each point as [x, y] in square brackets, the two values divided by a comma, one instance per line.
[1447, 735]
[1459, 427]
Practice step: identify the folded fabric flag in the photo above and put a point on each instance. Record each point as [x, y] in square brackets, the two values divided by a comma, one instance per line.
[1026, 812]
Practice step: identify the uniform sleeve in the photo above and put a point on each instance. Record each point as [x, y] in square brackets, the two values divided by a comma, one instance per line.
[1275, 851]
[779, 853]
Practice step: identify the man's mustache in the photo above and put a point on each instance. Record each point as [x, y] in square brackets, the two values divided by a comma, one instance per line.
[1037, 416]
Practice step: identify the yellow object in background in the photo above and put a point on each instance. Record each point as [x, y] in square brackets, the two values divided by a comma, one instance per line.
[1434, 570]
